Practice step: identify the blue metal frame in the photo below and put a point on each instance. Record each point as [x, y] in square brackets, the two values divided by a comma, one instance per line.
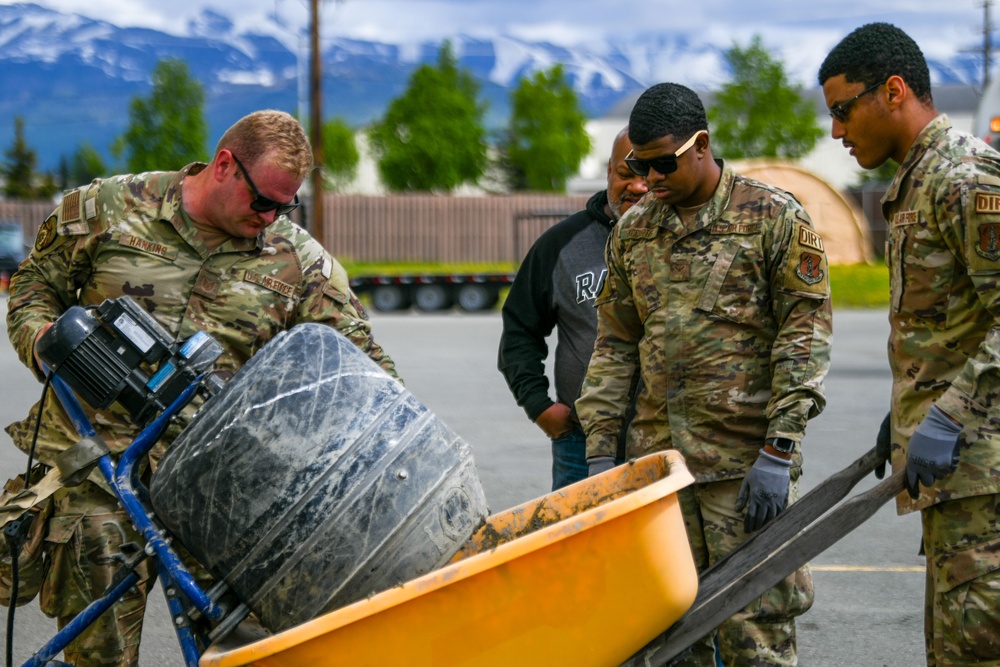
[174, 576]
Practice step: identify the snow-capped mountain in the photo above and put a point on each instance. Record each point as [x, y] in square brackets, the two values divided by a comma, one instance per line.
[71, 78]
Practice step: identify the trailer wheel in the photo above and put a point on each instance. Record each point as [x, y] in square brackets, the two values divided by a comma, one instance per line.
[432, 297]
[476, 297]
[388, 298]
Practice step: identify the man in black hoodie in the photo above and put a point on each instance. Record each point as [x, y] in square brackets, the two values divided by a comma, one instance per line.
[555, 288]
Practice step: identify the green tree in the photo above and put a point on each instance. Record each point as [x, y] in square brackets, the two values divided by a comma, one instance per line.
[547, 137]
[340, 153]
[759, 113]
[86, 165]
[47, 186]
[432, 136]
[18, 169]
[167, 130]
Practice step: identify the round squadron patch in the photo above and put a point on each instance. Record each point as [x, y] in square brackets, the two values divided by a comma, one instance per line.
[809, 269]
[46, 234]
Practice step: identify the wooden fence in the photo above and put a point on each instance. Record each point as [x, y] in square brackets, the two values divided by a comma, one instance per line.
[423, 228]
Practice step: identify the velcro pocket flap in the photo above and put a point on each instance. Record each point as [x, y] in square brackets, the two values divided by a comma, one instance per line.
[62, 528]
[963, 566]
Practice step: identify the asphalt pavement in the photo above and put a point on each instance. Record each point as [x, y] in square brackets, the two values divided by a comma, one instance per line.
[869, 585]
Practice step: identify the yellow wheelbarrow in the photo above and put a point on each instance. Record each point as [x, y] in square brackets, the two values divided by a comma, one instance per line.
[586, 575]
[589, 575]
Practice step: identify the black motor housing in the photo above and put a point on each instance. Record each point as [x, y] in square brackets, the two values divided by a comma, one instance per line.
[119, 352]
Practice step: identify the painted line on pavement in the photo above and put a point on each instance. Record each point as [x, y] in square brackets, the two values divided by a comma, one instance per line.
[864, 568]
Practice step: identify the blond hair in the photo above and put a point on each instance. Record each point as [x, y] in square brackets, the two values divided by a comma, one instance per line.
[272, 136]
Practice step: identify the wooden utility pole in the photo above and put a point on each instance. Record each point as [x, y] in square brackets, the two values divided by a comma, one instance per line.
[316, 129]
[987, 42]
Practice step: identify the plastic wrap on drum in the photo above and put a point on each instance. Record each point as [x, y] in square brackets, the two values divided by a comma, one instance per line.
[314, 479]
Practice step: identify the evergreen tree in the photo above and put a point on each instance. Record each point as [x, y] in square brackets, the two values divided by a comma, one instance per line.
[759, 113]
[432, 136]
[63, 173]
[340, 153]
[547, 138]
[167, 130]
[86, 165]
[18, 169]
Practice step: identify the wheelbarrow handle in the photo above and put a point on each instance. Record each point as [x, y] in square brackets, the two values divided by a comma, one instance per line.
[773, 553]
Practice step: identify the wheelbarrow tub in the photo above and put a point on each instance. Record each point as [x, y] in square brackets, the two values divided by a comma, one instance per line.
[584, 576]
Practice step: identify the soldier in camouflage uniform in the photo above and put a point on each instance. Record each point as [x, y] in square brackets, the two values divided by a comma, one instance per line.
[717, 294]
[205, 248]
[943, 254]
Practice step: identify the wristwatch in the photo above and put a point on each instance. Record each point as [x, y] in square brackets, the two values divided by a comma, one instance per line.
[781, 445]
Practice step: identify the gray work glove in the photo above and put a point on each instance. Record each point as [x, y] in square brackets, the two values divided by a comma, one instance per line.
[883, 445]
[599, 464]
[932, 452]
[765, 488]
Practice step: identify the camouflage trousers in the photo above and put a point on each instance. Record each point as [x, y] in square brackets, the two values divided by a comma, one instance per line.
[763, 632]
[962, 602]
[84, 538]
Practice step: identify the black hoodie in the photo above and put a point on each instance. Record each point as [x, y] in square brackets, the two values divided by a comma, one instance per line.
[555, 287]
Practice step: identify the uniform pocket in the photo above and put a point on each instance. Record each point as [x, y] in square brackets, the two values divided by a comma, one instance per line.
[64, 591]
[735, 289]
[922, 270]
[968, 590]
[32, 563]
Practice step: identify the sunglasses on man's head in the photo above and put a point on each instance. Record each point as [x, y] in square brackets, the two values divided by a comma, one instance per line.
[260, 203]
[839, 111]
[664, 164]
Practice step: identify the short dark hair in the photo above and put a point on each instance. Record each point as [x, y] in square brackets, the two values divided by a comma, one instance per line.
[873, 53]
[666, 109]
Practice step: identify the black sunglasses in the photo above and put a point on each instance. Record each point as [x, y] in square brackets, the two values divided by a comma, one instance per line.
[260, 203]
[664, 164]
[839, 111]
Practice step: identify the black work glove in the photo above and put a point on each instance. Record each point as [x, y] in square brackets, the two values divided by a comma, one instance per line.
[765, 488]
[883, 445]
[932, 452]
[599, 464]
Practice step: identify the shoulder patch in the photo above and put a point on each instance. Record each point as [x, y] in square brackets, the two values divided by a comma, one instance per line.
[806, 269]
[71, 207]
[988, 243]
[810, 268]
[987, 202]
[46, 234]
[809, 238]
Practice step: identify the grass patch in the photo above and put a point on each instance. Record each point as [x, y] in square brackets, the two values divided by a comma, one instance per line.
[860, 286]
[391, 268]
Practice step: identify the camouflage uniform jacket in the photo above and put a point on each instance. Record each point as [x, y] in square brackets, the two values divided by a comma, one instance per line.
[127, 236]
[728, 323]
[943, 209]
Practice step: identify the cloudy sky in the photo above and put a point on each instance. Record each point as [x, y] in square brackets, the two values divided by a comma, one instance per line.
[941, 27]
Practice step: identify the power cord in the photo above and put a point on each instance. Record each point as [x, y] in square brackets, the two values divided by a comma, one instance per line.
[16, 532]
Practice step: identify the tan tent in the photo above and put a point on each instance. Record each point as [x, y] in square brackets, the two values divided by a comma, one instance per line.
[839, 221]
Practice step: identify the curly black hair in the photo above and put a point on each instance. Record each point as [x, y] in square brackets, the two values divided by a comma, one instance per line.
[873, 53]
[666, 109]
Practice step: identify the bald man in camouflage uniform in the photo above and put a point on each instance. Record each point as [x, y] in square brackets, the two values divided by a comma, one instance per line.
[943, 254]
[205, 248]
[717, 294]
